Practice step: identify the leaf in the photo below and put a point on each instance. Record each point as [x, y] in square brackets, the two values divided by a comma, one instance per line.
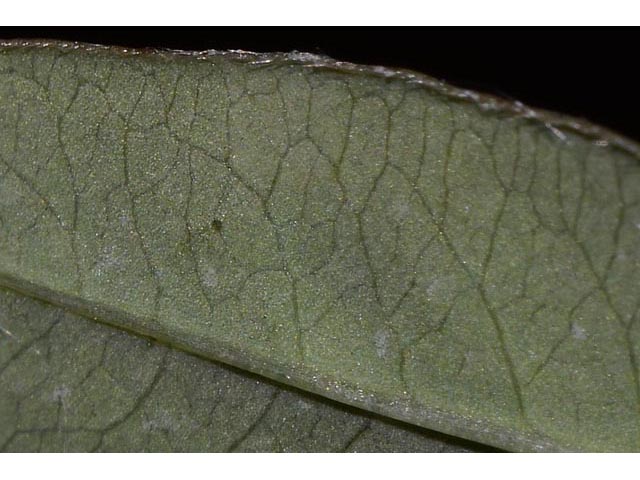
[92, 387]
[374, 237]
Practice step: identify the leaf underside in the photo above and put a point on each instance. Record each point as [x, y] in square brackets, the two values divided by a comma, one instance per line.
[91, 387]
[371, 237]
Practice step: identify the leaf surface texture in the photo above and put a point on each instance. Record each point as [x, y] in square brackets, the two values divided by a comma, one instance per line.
[370, 237]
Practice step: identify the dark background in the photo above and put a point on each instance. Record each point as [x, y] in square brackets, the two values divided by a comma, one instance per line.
[589, 73]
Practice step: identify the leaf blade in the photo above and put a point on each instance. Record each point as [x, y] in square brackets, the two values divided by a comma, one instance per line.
[101, 389]
[375, 241]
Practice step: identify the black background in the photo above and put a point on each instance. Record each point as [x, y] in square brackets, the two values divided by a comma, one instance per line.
[589, 73]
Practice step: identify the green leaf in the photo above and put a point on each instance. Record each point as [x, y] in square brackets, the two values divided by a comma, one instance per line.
[374, 237]
[91, 387]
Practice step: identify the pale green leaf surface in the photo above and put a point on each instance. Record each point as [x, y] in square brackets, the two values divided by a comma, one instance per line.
[370, 236]
[91, 387]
